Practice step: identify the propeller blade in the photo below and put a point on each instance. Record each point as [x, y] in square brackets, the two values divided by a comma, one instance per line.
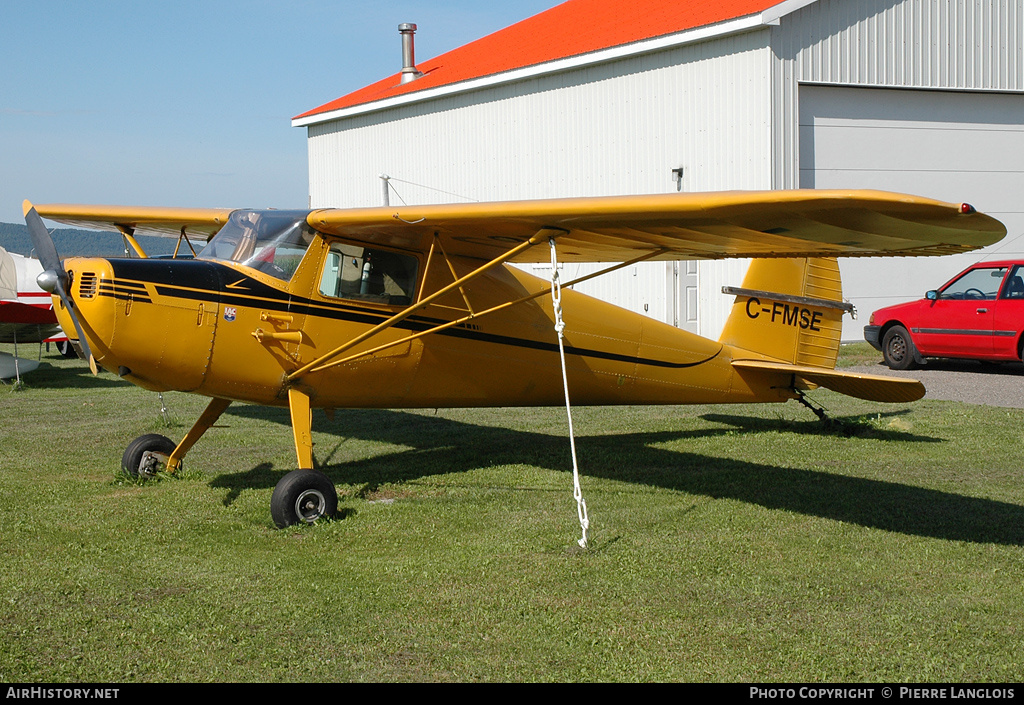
[41, 240]
[70, 306]
[50, 260]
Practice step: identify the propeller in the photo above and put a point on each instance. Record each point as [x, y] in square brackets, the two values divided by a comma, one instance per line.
[54, 278]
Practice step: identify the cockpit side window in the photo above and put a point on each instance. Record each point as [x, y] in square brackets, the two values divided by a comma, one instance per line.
[272, 242]
[364, 274]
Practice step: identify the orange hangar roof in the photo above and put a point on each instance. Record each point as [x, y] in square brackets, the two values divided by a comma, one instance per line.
[574, 33]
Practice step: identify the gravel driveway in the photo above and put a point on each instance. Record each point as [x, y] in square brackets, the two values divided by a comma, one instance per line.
[956, 380]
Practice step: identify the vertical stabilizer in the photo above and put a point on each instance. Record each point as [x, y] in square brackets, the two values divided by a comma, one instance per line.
[790, 310]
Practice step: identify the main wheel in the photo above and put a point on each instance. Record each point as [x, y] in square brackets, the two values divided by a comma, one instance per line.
[303, 496]
[135, 462]
[898, 349]
[66, 349]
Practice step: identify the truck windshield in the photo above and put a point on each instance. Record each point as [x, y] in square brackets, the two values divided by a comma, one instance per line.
[272, 242]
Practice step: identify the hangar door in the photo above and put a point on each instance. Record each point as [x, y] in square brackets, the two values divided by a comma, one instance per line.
[955, 146]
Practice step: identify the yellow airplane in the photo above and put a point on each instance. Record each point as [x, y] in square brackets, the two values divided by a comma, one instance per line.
[417, 306]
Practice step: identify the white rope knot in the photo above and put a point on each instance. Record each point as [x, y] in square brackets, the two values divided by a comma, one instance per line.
[556, 302]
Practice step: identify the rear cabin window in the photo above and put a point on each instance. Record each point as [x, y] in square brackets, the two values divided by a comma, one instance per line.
[365, 274]
[1014, 288]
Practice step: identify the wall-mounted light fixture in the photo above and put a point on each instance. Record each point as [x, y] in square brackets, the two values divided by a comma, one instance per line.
[677, 175]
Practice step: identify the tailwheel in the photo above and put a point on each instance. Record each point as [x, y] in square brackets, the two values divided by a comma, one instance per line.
[303, 496]
[147, 455]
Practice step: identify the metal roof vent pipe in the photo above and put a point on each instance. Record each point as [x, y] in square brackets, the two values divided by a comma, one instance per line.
[409, 72]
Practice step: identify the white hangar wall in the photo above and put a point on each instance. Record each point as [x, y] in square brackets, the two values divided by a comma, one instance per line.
[750, 111]
[616, 128]
[619, 127]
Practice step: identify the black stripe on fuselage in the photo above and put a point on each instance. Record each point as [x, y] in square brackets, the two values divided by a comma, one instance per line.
[199, 280]
[122, 291]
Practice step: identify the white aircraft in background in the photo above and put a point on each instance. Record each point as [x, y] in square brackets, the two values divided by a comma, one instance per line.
[26, 312]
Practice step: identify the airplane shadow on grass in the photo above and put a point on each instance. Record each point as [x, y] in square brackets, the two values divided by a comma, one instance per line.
[76, 376]
[633, 458]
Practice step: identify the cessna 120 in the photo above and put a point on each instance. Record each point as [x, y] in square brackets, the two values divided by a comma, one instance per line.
[416, 306]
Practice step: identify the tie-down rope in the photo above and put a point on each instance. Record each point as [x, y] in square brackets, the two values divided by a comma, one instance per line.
[556, 303]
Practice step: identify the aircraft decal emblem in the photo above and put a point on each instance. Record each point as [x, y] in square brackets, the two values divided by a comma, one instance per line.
[229, 313]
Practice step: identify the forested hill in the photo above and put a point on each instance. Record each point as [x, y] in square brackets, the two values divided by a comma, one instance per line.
[70, 242]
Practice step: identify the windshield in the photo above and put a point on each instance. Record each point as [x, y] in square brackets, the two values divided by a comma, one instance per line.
[271, 241]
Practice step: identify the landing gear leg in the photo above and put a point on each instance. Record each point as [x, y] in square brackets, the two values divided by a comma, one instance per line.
[209, 417]
[818, 411]
[302, 424]
[148, 454]
[305, 494]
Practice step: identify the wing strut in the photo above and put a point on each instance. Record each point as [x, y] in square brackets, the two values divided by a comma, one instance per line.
[556, 305]
[542, 234]
[481, 314]
[188, 242]
[129, 236]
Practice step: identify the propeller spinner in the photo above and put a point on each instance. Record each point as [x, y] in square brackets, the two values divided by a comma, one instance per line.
[53, 278]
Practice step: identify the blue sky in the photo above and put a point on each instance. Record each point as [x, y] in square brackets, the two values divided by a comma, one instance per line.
[189, 103]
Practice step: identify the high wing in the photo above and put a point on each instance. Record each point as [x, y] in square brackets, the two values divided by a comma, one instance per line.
[803, 223]
[161, 222]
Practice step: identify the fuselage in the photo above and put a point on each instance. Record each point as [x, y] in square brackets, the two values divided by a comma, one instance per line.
[229, 330]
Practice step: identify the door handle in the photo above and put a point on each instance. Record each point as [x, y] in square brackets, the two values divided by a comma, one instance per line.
[982, 310]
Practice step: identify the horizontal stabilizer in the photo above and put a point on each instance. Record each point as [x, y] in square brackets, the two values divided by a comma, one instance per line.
[870, 387]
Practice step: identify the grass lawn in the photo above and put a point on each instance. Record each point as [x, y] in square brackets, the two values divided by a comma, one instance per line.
[851, 354]
[727, 543]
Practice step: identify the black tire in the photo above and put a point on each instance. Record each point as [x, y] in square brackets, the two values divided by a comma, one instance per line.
[66, 349]
[303, 496]
[132, 457]
[898, 349]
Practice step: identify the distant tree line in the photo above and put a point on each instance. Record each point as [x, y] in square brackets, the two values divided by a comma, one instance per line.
[14, 237]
